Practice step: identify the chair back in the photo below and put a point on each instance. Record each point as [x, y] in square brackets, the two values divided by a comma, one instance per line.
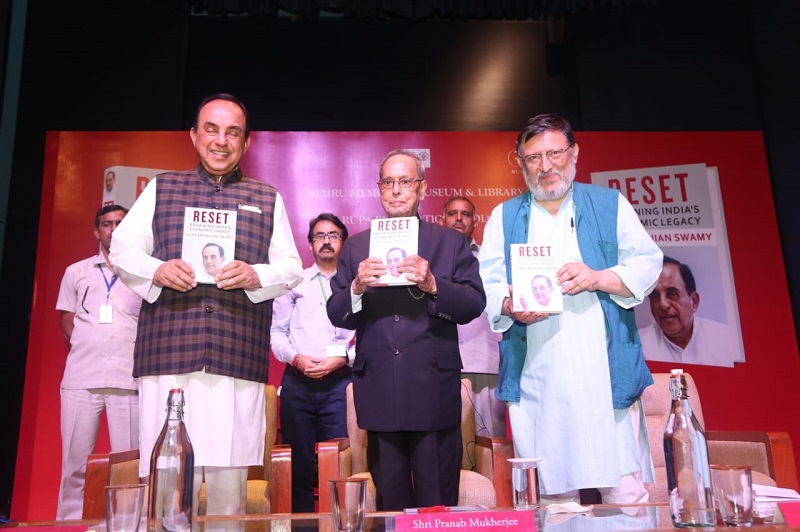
[657, 403]
[269, 486]
[107, 469]
[468, 458]
[264, 496]
[262, 472]
[357, 436]
[474, 487]
[123, 468]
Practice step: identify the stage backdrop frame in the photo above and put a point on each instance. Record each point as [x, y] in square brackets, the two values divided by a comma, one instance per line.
[337, 172]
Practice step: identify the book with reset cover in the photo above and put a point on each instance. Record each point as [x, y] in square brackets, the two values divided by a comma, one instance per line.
[533, 278]
[209, 241]
[392, 240]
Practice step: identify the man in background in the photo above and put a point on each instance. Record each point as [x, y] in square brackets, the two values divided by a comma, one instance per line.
[317, 356]
[574, 380]
[479, 345]
[210, 339]
[407, 371]
[98, 318]
[678, 334]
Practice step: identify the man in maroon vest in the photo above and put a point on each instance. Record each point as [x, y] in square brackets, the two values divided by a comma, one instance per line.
[212, 339]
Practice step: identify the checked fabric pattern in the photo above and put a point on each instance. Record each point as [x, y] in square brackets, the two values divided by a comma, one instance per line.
[221, 331]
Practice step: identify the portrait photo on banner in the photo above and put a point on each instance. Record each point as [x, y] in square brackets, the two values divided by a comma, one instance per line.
[691, 316]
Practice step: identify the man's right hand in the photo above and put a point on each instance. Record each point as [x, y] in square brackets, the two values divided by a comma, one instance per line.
[175, 274]
[526, 316]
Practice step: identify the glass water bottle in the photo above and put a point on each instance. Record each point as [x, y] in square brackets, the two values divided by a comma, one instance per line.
[691, 502]
[171, 472]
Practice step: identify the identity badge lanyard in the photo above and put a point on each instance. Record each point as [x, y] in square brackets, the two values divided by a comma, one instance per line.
[335, 350]
[106, 314]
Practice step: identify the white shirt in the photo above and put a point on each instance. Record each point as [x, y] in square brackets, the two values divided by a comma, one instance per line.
[101, 354]
[132, 246]
[712, 344]
[565, 414]
[300, 323]
[478, 344]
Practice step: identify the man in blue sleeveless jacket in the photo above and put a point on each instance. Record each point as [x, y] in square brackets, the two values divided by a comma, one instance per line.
[573, 380]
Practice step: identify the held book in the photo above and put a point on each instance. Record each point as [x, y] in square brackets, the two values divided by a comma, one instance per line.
[533, 278]
[392, 240]
[209, 241]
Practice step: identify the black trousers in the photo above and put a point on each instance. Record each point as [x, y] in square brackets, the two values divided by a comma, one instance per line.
[311, 410]
[415, 469]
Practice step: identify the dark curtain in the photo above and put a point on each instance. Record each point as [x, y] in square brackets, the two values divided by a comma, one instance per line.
[412, 10]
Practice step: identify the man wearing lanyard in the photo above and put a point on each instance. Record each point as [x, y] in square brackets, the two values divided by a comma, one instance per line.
[313, 402]
[99, 315]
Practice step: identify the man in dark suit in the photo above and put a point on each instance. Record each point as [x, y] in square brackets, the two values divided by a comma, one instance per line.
[407, 370]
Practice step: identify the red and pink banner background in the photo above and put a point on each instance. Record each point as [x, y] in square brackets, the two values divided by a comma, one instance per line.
[337, 172]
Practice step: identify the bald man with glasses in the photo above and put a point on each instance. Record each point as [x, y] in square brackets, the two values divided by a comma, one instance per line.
[407, 371]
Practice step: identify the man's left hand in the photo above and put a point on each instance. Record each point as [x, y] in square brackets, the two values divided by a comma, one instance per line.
[237, 274]
[525, 316]
[417, 270]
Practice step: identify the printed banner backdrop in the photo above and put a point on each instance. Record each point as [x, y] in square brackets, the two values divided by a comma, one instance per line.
[337, 172]
[681, 208]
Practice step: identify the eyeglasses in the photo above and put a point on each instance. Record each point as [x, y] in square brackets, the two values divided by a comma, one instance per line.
[554, 156]
[405, 183]
[333, 236]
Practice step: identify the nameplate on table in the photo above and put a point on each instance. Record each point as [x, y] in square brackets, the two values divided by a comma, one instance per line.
[491, 521]
[791, 512]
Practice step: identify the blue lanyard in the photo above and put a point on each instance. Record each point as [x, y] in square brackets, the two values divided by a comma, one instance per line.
[108, 285]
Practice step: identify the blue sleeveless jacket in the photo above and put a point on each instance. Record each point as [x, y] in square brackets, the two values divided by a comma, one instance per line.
[596, 226]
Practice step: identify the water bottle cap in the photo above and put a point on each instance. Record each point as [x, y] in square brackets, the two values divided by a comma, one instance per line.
[676, 372]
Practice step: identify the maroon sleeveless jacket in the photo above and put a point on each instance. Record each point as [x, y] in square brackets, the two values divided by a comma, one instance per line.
[219, 330]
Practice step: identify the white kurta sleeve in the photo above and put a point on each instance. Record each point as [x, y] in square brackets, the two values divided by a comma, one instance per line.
[640, 259]
[492, 260]
[132, 246]
[285, 269]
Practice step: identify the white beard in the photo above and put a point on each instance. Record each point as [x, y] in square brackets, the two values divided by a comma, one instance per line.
[538, 191]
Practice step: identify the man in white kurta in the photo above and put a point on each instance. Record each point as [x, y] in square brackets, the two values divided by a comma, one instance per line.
[233, 404]
[224, 413]
[565, 411]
